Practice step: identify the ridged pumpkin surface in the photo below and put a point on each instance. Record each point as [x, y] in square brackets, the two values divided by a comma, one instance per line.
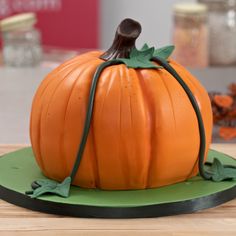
[144, 131]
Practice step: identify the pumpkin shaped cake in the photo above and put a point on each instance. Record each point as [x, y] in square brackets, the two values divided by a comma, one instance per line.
[121, 119]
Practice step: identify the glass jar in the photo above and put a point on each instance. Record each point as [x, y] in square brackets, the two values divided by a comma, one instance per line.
[190, 34]
[222, 28]
[21, 41]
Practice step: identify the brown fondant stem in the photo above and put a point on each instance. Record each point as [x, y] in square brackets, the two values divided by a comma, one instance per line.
[126, 34]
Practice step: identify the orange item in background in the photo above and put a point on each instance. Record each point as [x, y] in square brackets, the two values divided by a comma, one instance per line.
[224, 101]
[224, 111]
[227, 133]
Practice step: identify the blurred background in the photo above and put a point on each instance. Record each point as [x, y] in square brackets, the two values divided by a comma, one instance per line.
[37, 35]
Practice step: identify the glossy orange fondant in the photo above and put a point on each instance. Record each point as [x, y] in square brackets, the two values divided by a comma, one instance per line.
[144, 131]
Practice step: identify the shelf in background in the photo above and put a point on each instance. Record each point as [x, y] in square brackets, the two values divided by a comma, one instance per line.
[18, 85]
[215, 78]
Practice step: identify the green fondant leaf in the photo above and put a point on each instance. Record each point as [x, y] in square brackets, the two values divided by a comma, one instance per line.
[164, 52]
[140, 59]
[220, 173]
[145, 47]
[134, 63]
[53, 187]
[46, 182]
[142, 55]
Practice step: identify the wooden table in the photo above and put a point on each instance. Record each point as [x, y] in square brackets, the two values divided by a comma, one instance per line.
[220, 221]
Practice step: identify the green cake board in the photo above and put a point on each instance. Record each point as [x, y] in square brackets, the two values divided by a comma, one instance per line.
[19, 169]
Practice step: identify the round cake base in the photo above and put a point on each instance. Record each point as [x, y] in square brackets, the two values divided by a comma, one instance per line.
[19, 169]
